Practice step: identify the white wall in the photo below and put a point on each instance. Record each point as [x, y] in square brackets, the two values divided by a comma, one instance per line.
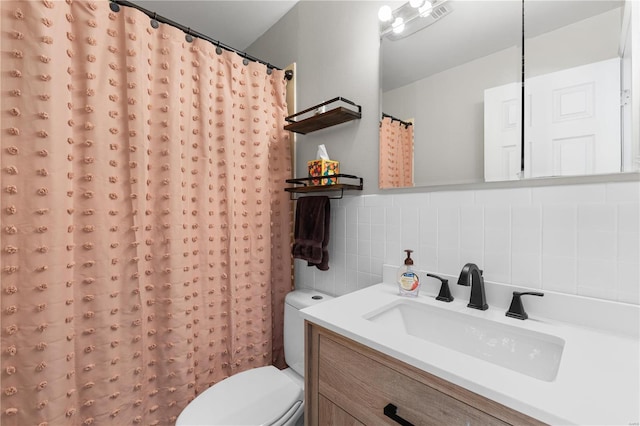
[576, 239]
[335, 46]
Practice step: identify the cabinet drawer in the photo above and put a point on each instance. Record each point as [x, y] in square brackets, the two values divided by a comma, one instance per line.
[362, 386]
[329, 414]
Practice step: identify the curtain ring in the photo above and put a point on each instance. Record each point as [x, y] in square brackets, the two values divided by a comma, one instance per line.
[154, 22]
[218, 48]
[114, 6]
[188, 37]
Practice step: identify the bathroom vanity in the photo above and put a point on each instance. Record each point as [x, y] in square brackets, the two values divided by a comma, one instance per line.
[373, 357]
[352, 384]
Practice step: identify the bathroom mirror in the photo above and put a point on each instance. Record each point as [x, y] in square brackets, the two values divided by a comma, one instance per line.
[458, 82]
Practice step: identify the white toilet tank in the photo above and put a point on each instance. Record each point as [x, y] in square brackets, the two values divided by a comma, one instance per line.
[294, 325]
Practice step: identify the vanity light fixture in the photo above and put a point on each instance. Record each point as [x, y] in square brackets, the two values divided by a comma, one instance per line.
[398, 25]
[425, 9]
[385, 13]
[411, 17]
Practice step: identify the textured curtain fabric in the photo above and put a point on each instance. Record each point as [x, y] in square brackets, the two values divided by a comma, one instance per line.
[145, 231]
[396, 154]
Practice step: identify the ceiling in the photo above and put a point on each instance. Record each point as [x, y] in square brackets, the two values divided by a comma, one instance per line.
[236, 24]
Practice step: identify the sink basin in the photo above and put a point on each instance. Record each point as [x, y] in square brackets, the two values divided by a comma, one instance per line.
[528, 352]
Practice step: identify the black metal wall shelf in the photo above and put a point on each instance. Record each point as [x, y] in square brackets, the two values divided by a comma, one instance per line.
[321, 120]
[308, 188]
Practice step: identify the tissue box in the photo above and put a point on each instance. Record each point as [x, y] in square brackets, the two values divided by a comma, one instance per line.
[318, 168]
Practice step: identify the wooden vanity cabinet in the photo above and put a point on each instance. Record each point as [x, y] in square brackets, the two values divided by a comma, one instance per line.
[348, 383]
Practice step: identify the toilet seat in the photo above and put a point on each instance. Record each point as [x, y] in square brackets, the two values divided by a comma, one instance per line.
[261, 396]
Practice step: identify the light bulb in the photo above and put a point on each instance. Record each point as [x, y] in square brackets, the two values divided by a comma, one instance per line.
[385, 14]
[398, 25]
[426, 9]
[416, 3]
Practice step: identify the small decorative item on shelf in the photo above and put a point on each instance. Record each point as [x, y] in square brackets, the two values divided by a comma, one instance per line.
[319, 168]
[322, 166]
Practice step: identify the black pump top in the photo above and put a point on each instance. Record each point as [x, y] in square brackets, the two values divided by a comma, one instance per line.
[408, 260]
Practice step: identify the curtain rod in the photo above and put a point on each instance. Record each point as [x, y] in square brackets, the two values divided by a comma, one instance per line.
[115, 6]
[405, 123]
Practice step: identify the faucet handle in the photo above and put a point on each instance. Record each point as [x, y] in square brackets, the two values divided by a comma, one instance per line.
[516, 310]
[445, 292]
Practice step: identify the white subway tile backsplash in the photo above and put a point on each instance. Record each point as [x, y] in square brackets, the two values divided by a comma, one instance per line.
[628, 218]
[559, 274]
[526, 217]
[409, 200]
[623, 192]
[597, 217]
[364, 264]
[393, 215]
[364, 231]
[627, 282]
[508, 197]
[449, 237]
[497, 241]
[574, 239]
[559, 217]
[526, 270]
[526, 241]
[377, 234]
[452, 198]
[569, 195]
[449, 261]
[559, 243]
[596, 245]
[427, 258]
[364, 215]
[351, 246]
[597, 278]
[497, 266]
[471, 230]
[377, 215]
[629, 247]
[428, 228]
[364, 248]
[375, 200]
[410, 226]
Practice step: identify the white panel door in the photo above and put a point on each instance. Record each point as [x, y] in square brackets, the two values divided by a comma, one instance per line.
[574, 121]
[502, 133]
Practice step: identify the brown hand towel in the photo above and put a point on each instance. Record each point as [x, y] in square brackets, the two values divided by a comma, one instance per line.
[311, 232]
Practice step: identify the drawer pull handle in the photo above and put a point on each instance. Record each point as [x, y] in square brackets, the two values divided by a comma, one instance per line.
[390, 411]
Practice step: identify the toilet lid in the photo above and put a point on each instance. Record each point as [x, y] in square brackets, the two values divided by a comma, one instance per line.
[261, 396]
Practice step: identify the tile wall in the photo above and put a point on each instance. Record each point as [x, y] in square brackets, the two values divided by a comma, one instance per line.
[574, 239]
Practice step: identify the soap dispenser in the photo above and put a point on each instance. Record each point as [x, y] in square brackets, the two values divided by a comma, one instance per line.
[408, 281]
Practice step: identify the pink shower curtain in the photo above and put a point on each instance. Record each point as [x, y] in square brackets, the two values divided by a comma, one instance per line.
[145, 232]
[396, 154]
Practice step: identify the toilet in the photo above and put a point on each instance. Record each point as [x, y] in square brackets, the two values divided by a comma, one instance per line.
[265, 395]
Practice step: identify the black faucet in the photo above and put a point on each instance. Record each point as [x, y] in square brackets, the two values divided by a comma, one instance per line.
[516, 310]
[471, 275]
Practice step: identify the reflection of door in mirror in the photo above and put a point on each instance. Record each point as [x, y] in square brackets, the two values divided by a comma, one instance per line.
[574, 121]
[396, 153]
[502, 133]
[573, 87]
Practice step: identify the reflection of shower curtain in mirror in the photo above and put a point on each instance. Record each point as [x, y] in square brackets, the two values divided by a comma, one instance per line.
[396, 154]
[145, 230]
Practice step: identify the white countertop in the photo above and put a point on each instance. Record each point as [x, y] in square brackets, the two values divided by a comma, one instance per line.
[598, 381]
